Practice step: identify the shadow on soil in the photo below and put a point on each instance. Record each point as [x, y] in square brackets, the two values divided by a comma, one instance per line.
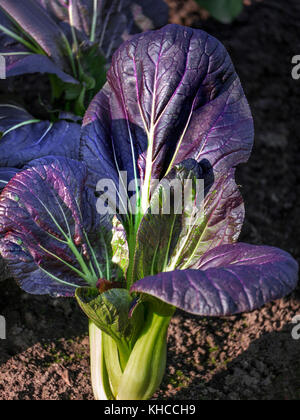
[242, 375]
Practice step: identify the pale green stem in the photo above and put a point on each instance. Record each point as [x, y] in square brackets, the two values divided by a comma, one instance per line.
[99, 375]
[94, 22]
[147, 363]
[21, 40]
[112, 362]
[71, 57]
[22, 124]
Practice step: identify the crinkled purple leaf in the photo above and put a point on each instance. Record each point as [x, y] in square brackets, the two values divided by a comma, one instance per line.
[6, 174]
[35, 140]
[47, 228]
[178, 238]
[230, 279]
[172, 94]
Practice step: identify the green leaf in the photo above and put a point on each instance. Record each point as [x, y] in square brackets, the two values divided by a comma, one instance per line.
[119, 246]
[218, 222]
[72, 92]
[109, 311]
[94, 68]
[156, 238]
[223, 10]
[147, 363]
[170, 216]
[91, 78]
[201, 217]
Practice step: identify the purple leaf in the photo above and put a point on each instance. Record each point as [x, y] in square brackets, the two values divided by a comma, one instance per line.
[36, 23]
[34, 140]
[230, 279]
[11, 115]
[47, 229]
[17, 65]
[96, 147]
[172, 94]
[20, 59]
[6, 174]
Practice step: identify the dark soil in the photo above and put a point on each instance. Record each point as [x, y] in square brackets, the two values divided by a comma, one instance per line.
[251, 356]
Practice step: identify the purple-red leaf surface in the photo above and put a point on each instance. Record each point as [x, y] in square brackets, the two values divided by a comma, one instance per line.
[47, 229]
[35, 140]
[6, 174]
[12, 115]
[230, 279]
[171, 95]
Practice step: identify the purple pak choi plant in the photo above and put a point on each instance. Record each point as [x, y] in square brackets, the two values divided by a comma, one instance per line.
[172, 112]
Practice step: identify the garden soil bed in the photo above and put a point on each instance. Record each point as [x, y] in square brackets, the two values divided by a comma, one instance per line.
[251, 356]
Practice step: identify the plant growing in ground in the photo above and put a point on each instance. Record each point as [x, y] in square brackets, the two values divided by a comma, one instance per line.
[173, 112]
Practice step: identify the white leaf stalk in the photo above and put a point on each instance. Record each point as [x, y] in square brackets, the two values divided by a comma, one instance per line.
[99, 377]
[146, 366]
